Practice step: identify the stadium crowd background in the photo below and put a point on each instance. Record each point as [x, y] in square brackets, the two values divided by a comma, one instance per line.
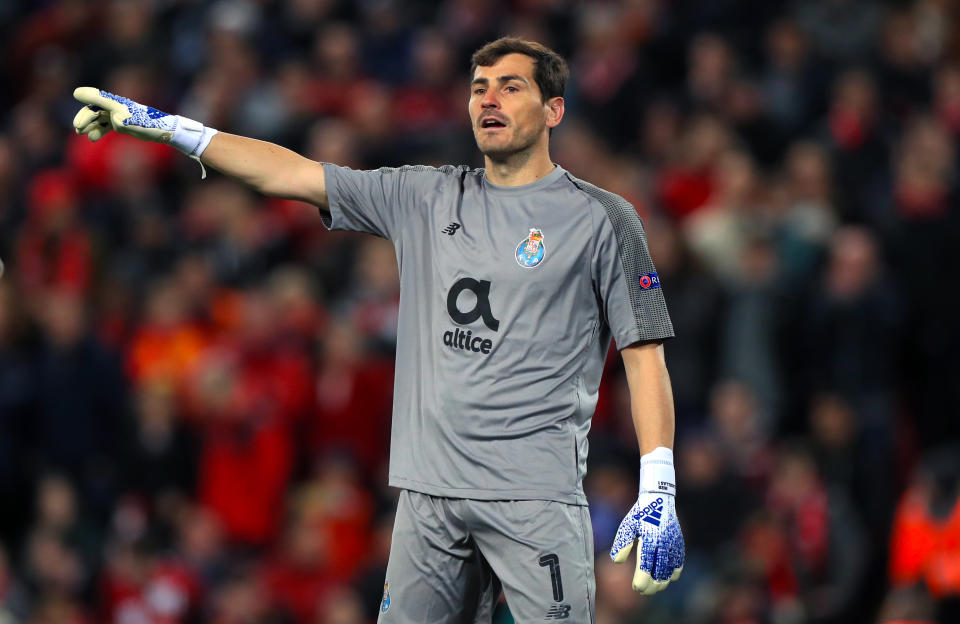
[195, 381]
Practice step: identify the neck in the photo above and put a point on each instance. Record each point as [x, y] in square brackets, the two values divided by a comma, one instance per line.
[519, 168]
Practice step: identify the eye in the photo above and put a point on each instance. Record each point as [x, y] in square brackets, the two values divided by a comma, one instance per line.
[512, 89]
[479, 91]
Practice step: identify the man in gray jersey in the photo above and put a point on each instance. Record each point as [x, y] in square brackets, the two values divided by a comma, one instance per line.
[514, 279]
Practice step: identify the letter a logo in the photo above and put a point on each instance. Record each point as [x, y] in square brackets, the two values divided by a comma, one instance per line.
[482, 307]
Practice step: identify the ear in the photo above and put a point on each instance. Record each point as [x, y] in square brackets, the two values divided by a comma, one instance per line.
[554, 111]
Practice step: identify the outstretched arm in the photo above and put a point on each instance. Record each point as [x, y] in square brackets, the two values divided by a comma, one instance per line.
[268, 168]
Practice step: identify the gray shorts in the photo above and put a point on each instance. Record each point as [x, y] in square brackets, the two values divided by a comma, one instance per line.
[450, 557]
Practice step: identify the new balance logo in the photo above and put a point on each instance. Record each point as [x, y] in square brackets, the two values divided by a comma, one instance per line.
[451, 229]
[651, 513]
[558, 612]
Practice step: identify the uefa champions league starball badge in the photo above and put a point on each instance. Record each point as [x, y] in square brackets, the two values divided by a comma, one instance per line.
[530, 251]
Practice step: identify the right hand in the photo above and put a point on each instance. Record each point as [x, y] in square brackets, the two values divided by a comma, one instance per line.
[105, 111]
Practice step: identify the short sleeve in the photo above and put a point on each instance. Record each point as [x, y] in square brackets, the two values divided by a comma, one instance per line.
[372, 201]
[627, 283]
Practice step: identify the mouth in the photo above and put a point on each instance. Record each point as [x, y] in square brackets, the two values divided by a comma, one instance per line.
[492, 123]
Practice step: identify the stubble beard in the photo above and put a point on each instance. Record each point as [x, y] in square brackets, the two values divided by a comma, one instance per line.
[516, 152]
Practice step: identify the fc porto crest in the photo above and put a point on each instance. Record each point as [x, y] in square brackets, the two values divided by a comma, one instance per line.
[531, 250]
[385, 601]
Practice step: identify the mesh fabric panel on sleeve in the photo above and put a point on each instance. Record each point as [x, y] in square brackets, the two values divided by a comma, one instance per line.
[649, 307]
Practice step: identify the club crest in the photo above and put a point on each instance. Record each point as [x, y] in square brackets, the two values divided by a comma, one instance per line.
[530, 251]
[385, 601]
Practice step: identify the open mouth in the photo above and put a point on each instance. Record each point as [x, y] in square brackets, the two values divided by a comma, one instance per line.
[490, 122]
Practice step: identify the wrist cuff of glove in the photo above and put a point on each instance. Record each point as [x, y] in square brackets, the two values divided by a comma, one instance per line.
[191, 137]
[657, 473]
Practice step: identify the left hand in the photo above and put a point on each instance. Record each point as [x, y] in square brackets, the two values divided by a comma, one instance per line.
[653, 523]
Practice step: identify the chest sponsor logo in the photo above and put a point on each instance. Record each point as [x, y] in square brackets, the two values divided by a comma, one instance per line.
[531, 250]
[481, 307]
[465, 340]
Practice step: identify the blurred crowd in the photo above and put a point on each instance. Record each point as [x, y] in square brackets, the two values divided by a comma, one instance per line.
[196, 381]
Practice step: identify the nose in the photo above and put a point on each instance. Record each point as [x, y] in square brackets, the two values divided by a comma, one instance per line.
[489, 100]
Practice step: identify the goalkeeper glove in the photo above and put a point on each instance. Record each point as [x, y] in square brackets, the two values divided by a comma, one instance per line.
[652, 522]
[105, 111]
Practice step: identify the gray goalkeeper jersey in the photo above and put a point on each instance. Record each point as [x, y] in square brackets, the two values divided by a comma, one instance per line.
[509, 297]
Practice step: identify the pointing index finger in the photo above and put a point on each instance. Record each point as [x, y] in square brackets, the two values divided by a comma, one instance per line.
[91, 97]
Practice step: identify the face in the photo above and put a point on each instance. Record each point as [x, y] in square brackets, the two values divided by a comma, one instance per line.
[506, 109]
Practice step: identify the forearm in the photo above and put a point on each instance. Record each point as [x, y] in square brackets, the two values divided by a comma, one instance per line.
[266, 167]
[651, 397]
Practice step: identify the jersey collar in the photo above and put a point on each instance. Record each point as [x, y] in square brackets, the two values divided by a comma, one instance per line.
[536, 185]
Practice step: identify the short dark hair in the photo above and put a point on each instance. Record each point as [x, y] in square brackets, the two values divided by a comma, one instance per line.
[550, 71]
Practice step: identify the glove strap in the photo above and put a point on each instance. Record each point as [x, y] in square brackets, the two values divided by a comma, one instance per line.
[192, 137]
[657, 473]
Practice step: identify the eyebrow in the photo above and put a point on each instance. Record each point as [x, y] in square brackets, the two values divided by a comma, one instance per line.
[504, 78]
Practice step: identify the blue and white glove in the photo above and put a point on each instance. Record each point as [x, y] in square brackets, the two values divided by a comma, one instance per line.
[105, 111]
[652, 522]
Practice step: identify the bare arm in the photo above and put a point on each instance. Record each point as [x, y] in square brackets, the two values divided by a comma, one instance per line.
[651, 397]
[267, 168]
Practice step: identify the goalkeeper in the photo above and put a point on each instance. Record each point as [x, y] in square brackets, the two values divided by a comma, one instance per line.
[514, 279]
